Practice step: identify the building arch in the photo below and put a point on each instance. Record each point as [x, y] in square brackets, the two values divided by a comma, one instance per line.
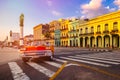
[115, 40]
[92, 41]
[86, 41]
[106, 41]
[99, 41]
[70, 43]
[81, 42]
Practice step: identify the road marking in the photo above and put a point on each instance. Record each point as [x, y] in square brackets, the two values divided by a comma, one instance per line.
[53, 64]
[59, 70]
[17, 72]
[95, 60]
[100, 58]
[60, 60]
[41, 69]
[89, 62]
[71, 64]
[98, 70]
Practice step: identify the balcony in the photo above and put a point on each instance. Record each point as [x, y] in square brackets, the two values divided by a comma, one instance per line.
[114, 31]
[64, 29]
[77, 30]
[106, 31]
[63, 37]
[72, 31]
[51, 30]
[98, 32]
[91, 33]
[86, 34]
[51, 37]
[73, 36]
[80, 34]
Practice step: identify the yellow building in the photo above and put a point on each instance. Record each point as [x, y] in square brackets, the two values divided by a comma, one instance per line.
[64, 32]
[102, 31]
[39, 32]
[52, 34]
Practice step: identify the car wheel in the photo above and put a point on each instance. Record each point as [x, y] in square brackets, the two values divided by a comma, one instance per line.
[51, 58]
[25, 59]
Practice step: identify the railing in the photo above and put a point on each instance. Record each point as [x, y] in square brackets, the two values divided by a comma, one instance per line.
[63, 29]
[98, 32]
[114, 31]
[91, 33]
[106, 31]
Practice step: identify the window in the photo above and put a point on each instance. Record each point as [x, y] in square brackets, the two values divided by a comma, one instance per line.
[106, 27]
[92, 29]
[81, 31]
[115, 24]
[86, 30]
[98, 28]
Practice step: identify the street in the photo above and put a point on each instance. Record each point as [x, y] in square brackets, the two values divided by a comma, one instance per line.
[68, 64]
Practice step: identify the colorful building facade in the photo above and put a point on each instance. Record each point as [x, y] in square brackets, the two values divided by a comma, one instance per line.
[64, 32]
[102, 31]
[73, 33]
[39, 32]
[52, 33]
[57, 33]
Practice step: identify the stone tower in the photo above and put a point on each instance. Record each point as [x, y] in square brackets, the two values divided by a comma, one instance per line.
[21, 29]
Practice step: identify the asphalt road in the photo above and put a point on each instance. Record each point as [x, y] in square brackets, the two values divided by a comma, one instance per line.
[68, 64]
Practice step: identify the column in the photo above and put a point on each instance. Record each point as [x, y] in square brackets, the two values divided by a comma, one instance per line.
[102, 42]
[89, 42]
[119, 41]
[78, 42]
[95, 42]
[83, 41]
[111, 44]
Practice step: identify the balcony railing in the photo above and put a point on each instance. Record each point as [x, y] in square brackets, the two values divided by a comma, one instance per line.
[51, 30]
[64, 37]
[80, 34]
[98, 32]
[106, 31]
[63, 29]
[91, 33]
[114, 31]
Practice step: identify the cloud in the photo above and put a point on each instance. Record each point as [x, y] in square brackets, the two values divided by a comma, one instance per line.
[93, 4]
[49, 2]
[117, 2]
[94, 8]
[56, 13]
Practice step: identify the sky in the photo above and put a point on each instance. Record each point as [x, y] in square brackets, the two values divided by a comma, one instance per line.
[44, 11]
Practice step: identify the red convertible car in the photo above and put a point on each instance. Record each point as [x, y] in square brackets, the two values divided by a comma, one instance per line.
[30, 52]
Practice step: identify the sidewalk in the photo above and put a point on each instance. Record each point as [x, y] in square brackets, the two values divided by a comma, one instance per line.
[88, 49]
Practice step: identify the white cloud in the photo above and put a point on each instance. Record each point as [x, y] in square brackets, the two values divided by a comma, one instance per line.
[93, 4]
[94, 8]
[49, 2]
[117, 2]
[56, 13]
